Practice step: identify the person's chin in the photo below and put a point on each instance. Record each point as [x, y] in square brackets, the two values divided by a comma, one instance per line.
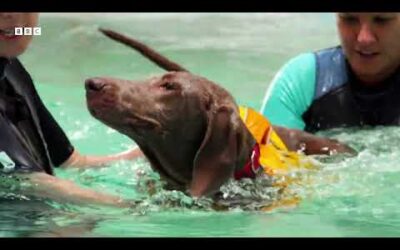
[13, 53]
[367, 66]
[369, 74]
[8, 55]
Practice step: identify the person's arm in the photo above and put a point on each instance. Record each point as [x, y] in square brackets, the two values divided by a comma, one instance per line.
[42, 185]
[311, 144]
[291, 92]
[78, 160]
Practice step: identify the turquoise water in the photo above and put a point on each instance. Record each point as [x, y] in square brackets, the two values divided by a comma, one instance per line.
[347, 197]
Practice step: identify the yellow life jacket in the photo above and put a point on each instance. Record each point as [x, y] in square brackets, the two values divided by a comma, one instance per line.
[273, 155]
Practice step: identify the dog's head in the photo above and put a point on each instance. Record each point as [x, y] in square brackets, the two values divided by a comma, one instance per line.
[188, 127]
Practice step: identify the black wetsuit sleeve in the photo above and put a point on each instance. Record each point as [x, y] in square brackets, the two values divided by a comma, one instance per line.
[58, 144]
[21, 89]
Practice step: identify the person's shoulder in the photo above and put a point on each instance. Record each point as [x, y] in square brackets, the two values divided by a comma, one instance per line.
[16, 65]
[301, 62]
[329, 51]
[308, 60]
[18, 76]
[296, 71]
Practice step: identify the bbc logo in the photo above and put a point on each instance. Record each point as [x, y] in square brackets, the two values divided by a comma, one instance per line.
[28, 31]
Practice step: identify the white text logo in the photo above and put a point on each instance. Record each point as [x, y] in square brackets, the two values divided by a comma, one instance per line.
[28, 31]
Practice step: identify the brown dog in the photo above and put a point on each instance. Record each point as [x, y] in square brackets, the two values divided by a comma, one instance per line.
[188, 127]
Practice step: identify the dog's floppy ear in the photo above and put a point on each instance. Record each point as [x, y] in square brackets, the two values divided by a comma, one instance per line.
[216, 158]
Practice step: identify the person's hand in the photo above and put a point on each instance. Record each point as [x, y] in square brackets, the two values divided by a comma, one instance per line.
[84, 161]
[131, 154]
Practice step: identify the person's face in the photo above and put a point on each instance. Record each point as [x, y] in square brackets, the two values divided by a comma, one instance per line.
[371, 43]
[10, 44]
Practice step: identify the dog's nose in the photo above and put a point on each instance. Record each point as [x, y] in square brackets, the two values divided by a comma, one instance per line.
[94, 84]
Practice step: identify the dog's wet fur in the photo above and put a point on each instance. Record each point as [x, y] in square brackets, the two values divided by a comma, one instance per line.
[187, 126]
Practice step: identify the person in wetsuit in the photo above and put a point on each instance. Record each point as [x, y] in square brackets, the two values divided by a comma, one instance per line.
[351, 85]
[31, 141]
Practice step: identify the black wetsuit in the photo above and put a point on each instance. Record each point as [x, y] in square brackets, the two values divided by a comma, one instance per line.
[29, 135]
[340, 100]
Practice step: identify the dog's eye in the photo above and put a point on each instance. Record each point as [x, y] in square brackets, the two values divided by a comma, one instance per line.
[169, 85]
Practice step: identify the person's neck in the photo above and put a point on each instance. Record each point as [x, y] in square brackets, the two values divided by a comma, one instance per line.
[375, 83]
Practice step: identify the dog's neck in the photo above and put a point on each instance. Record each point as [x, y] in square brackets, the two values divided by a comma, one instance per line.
[173, 160]
[246, 151]
[176, 162]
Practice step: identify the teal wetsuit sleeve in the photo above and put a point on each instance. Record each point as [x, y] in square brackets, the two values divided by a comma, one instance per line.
[291, 92]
